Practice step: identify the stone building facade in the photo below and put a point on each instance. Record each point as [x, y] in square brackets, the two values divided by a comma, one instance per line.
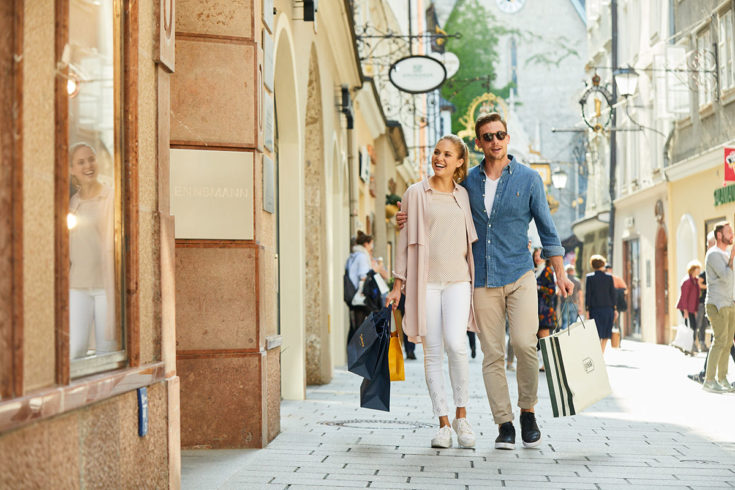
[180, 180]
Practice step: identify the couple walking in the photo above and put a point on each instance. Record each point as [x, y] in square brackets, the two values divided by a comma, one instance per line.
[463, 262]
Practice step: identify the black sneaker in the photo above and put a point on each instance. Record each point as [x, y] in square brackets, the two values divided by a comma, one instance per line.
[506, 436]
[698, 378]
[530, 432]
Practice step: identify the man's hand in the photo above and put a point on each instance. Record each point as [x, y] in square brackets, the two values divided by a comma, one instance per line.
[401, 217]
[566, 287]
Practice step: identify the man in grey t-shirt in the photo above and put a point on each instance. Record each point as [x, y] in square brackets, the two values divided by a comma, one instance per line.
[720, 307]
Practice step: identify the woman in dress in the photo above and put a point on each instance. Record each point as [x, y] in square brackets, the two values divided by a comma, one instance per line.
[546, 288]
[599, 299]
[434, 266]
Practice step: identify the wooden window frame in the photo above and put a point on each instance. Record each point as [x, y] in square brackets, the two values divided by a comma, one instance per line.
[11, 199]
[128, 11]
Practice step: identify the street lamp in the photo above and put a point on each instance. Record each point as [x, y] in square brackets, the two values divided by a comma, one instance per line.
[559, 178]
[626, 80]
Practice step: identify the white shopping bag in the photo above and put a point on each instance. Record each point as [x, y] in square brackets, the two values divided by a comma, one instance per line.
[575, 369]
[684, 340]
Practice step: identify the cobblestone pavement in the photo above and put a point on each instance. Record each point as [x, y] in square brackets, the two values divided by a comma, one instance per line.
[658, 429]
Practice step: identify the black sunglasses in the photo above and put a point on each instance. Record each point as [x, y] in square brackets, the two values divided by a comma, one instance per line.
[489, 136]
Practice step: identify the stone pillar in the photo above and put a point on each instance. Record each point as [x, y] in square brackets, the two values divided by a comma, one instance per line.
[383, 162]
[228, 358]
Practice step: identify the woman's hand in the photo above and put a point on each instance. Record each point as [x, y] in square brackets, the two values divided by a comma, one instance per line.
[394, 296]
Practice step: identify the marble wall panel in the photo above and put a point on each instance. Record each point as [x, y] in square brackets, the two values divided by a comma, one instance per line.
[215, 17]
[215, 298]
[221, 402]
[213, 94]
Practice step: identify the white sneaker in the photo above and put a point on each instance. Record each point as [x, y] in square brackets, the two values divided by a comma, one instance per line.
[443, 437]
[465, 436]
[726, 386]
[713, 387]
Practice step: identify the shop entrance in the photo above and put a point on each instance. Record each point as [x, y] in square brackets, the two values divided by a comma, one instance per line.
[631, 276]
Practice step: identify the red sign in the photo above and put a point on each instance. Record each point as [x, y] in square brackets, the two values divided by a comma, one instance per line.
[729, 164]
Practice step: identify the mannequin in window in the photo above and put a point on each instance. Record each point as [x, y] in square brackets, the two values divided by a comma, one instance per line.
[92, 256]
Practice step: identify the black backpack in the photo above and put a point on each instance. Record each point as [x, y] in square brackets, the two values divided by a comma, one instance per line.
[349, 289]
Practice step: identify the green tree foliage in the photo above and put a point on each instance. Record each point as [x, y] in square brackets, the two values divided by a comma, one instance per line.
[477, 50]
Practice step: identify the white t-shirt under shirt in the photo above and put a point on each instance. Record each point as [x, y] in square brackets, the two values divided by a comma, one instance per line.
[491, 186]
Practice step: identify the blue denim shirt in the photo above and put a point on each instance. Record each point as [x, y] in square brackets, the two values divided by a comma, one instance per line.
[501, 251]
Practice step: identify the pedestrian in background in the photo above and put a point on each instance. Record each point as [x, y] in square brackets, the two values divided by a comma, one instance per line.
[572, 311]
[621, 305]
[599, 299]
[359, 263]
[434, 263]
[689, 297]
[719, 306]
[702, 321]
[546, 293]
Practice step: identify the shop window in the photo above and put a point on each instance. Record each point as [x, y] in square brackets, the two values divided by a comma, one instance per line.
[725, 50]
[91, 64]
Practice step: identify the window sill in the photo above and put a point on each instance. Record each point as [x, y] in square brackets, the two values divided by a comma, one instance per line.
[684, 122]
[49, 402]
[727, 96]
[706, 110]
[97, 364]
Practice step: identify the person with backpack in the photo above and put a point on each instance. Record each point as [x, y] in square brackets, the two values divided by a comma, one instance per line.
[362, 293]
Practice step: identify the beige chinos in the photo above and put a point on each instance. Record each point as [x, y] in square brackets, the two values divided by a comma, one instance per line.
[519, 300]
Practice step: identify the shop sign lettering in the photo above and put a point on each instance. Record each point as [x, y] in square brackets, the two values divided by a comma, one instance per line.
[724, 195]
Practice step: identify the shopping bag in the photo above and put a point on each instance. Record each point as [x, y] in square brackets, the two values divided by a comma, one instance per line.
[395, 352]
[684, 340]
[375, 392]
[367, 342]
[575, 370]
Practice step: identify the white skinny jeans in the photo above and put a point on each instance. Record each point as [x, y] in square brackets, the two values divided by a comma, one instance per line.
[86, 305]
[447, 312]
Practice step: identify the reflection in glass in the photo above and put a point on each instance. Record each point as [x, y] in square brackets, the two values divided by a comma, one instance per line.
[94, 296]
[91, 253]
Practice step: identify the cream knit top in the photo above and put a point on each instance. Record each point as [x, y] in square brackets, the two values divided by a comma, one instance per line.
[447, 239]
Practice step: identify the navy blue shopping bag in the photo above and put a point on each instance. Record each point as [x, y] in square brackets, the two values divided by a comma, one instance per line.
[375, 392]
[367, 343]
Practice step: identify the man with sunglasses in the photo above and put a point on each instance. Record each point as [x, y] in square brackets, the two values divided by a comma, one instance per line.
[505, 196]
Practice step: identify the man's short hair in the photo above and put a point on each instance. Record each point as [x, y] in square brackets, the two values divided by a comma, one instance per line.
[720, 226]
[570, 267]
[487, 118]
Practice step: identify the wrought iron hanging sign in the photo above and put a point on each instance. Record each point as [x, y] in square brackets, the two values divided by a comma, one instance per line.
[597, 114]
[417, 74]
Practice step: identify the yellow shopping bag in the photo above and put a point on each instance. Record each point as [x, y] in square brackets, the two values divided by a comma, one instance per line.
[395, 351]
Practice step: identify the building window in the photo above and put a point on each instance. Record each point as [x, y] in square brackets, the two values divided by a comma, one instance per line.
[702, 62]
[725, 50]
[92, 66]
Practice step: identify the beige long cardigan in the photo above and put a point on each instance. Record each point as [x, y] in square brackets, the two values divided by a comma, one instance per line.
[412, 254]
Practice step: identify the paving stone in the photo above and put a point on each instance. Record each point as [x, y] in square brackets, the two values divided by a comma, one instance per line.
[640, 437]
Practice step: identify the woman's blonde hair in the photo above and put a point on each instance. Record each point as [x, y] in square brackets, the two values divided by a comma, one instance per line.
[597, 262]
[694, 264]
[462, 152]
